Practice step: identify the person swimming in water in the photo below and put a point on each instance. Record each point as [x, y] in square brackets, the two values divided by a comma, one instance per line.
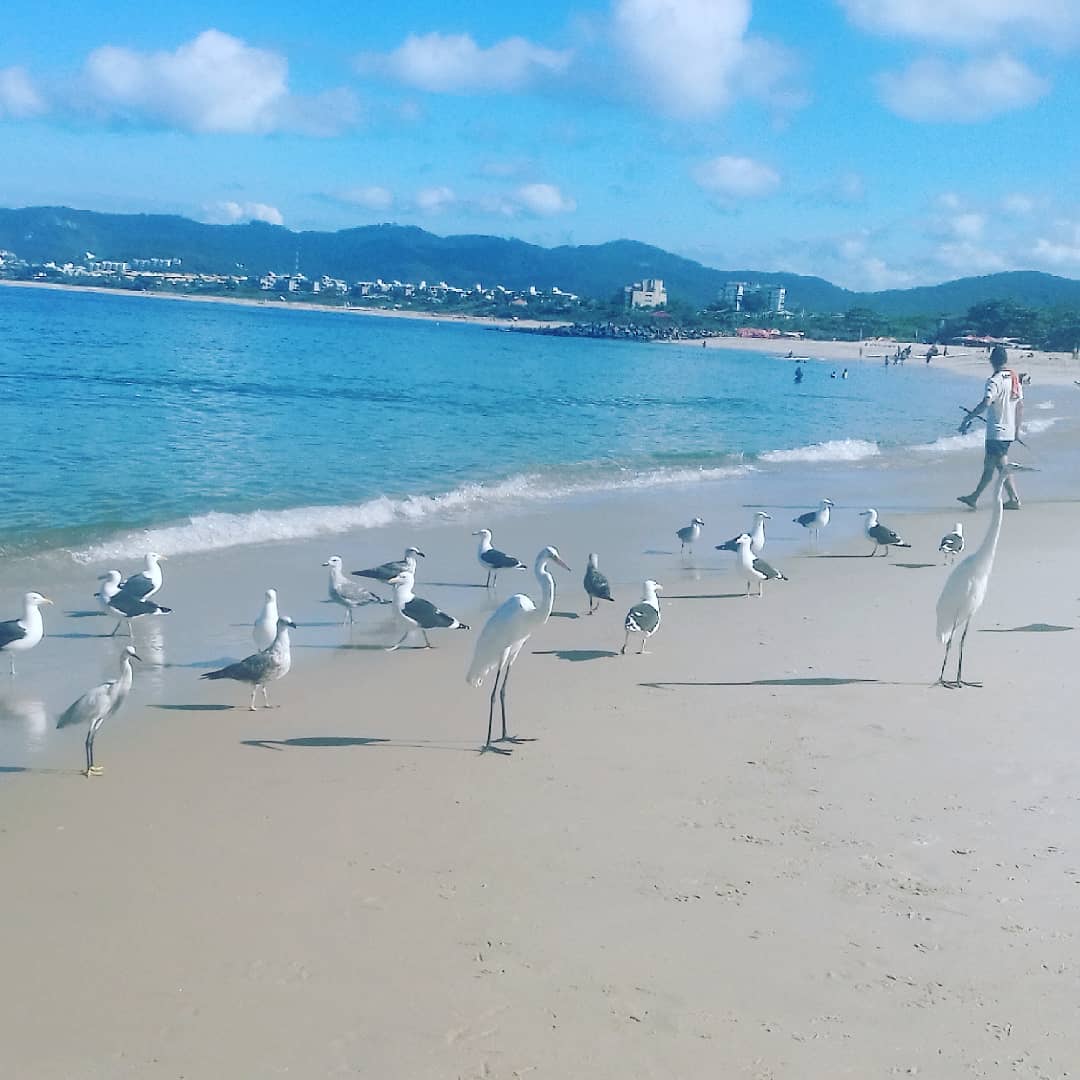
[798, 375]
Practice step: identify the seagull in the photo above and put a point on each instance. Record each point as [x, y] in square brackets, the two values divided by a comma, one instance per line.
[952, 543]
[144, 583]
[127, 607]
[964, 592]
[110, 586]
[418, 614]
[504, 635]
[644, 617]
[757, 535]
[689, 533]
[882, 535]
[493, 560]
[21, 635]
[264, 629]
[815, 520]
[387, 570]
[755, 569]
[262, 667]
[98, 704]
[347, 593]
[596, 584]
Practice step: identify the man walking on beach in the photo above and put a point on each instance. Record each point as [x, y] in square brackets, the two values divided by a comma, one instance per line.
[1003, 404]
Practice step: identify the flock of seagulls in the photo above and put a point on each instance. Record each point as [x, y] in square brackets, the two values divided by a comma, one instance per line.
[507, 629]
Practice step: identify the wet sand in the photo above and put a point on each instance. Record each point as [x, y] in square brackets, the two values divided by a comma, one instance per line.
[769, 848]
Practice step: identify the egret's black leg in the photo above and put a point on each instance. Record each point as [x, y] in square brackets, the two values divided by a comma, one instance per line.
[948, 646]
[960, 665]
[491, 715]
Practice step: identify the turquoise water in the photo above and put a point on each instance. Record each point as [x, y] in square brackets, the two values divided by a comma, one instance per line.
[220, 424]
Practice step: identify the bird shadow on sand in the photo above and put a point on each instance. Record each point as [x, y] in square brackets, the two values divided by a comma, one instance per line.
[704, 596]
[32, 770]
[85, 614]
[577, 656]
[203, 665]
[352, 646]
[195, 708]
[822, 680]
[812, 555]
[457, 584]
[1031, 628]
[325, 742]
[565, 615]
[656, 551]
[913, 565]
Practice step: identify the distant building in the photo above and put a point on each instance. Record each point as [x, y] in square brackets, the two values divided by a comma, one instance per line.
[736, 292]
[646, 294]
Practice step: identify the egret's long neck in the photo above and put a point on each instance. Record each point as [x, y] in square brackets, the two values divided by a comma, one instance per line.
[984, 554]
[123, 684]
[547, 589]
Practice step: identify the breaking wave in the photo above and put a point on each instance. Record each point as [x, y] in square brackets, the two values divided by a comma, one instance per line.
[836, 450]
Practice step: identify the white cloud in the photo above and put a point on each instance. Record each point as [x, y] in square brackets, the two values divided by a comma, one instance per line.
[932, 90]
[214, 83]
[371, 197]
[543, 200]
[232, 213]
[965, 257]
[19, 98]
[1018, 205]
[963, 22]
[434, 200]
[967, 226]
[454, 63]
[692, 57]
[733, 178]
[1062, 250]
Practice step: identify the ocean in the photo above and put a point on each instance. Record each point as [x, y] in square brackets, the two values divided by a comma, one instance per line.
[129, 424]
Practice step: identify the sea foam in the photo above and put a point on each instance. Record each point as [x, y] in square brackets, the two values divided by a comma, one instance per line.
[835, 450]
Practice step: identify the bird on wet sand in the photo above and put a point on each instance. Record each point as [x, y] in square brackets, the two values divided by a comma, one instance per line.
[264, 629]
[492, 559]
[22, 634]
[756, 534]
[816, 520]
[387, 570]
[504, 635]
[597, 587]
[755, 569]
[262, 667]
[98, 704]
[348, 594]
[144, 583]
[110, 586]
[418, 614]
[689, 533]
[952, 543]
[644, 617]
[881, 535]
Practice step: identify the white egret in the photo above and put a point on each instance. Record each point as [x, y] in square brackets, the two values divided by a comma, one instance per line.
[757, 535]
[689, 533]
[881, 535]
[387, 570]
[348, 594]
[816, 520]
[492, 559]
[418, 614]
[262, 667]
[755, 569]
[597, 586]
[952, 543]
[264, 629]
[21, 635]
[505, 633]
[644, 617]
[98, 704]
[964, 592]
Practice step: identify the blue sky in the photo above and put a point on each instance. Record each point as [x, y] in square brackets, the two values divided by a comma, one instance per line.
[878, 143]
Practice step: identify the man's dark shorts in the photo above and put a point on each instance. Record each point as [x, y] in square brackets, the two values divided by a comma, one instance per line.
[997, 448]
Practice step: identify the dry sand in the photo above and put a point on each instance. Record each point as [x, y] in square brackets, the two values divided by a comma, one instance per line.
[770, 849]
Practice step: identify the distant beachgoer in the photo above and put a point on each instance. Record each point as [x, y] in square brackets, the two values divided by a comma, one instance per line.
[1003, 404]
[798, 375]
[844, 374]
[945, 351]
[833, 375]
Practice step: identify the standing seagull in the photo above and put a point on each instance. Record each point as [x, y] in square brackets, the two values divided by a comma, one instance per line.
[110, 586]
[964, 592]
[596, 584]
[493, 560]
[816, 520]
[689, 533]
[264, 629]
[387, 570]
[881, 535]
[505, 633]
[418, 614]
[757, 535]
[21, 635]
[347, 593]
[127, 607]
[262, 667]
[755, 569]
[952, 543]
[144, 583]
[644, 617]
[98, 704]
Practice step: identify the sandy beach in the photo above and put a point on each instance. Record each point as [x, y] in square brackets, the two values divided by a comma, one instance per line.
[768, 849]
